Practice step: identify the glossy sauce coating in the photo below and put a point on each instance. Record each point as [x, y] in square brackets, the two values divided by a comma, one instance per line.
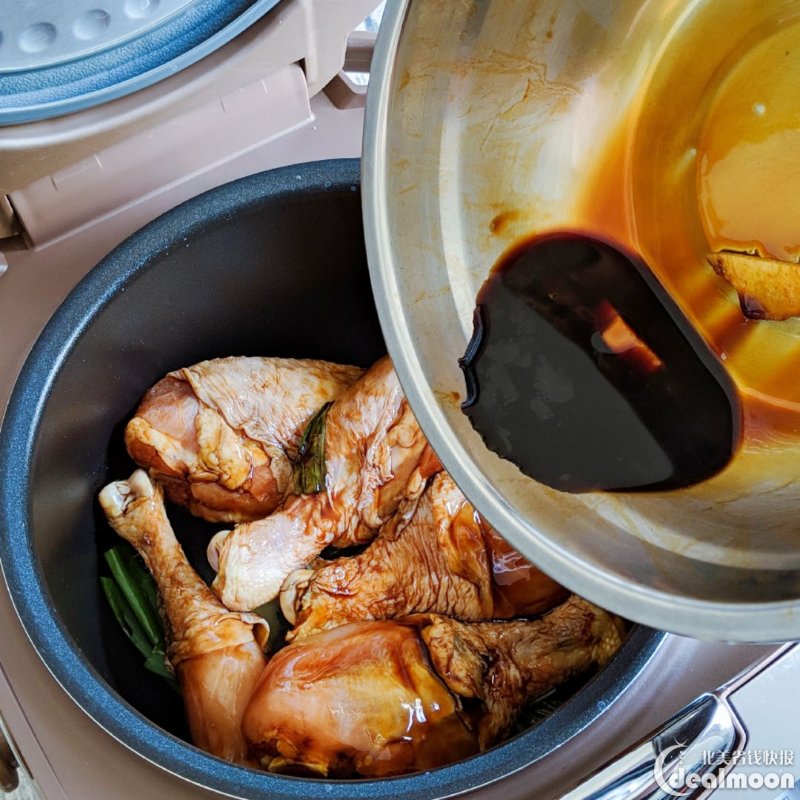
[436, 555]
[358, 699]
[520, 589]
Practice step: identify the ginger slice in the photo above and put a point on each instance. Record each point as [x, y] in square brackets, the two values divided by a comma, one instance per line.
[767, 288]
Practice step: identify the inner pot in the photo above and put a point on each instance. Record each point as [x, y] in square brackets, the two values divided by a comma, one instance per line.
[272, 264]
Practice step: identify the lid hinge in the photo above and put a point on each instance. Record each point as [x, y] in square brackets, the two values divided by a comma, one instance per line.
[178, 151]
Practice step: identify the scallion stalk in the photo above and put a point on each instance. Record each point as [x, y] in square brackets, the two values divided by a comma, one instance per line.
[129, 583]
[309, 469]
[132, 594]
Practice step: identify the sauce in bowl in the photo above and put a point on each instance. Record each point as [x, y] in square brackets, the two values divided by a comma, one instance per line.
[585, 374]
[703, 159]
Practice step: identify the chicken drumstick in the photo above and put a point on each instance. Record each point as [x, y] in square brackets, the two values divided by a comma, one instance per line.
[375, 457]
[386, 698]
[217, 654]
[220, 435]
[440, 558]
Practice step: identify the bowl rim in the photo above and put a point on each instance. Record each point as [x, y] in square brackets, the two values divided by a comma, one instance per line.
[56, 647]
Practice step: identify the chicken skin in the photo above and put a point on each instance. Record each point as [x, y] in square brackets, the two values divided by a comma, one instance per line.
[386, 698]
[440, 558]
[361, 699]
[220, 436]
[375, 457]
[504, 665]
[217, 655]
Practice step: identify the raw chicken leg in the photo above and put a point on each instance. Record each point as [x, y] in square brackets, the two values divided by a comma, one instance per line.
[441, 558]
[372, 699]
[220, 435]
[217, 654]
[375, 456]
[361, 699]
[505, 665]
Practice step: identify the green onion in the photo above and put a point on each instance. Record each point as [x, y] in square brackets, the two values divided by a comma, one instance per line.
[127, 574]
[125, 617]
[132, 594]
[137, 572]
[309, 469]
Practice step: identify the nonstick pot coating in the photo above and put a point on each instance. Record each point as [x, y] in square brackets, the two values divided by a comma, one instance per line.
[273, 264]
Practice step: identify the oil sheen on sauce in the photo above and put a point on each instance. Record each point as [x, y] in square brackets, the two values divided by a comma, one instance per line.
[584, 373]
[706, 159]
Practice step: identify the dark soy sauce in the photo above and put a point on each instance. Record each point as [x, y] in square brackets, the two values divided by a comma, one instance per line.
[584, 373]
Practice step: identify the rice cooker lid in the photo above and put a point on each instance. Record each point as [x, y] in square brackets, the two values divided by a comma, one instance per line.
[57, 57]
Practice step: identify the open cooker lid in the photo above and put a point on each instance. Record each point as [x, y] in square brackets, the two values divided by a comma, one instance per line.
[56, 57]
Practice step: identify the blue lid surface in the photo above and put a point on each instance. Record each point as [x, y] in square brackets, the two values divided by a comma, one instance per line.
[57, 58]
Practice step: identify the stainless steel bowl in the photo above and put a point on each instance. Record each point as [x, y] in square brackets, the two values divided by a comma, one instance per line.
[486, 122]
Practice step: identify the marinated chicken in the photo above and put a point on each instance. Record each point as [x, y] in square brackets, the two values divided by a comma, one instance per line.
[386, 698]
[439, 556]
[361, 699]
[375, 457]
[220, 436]
[379, 677]
[217, 654]
[504, 665]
